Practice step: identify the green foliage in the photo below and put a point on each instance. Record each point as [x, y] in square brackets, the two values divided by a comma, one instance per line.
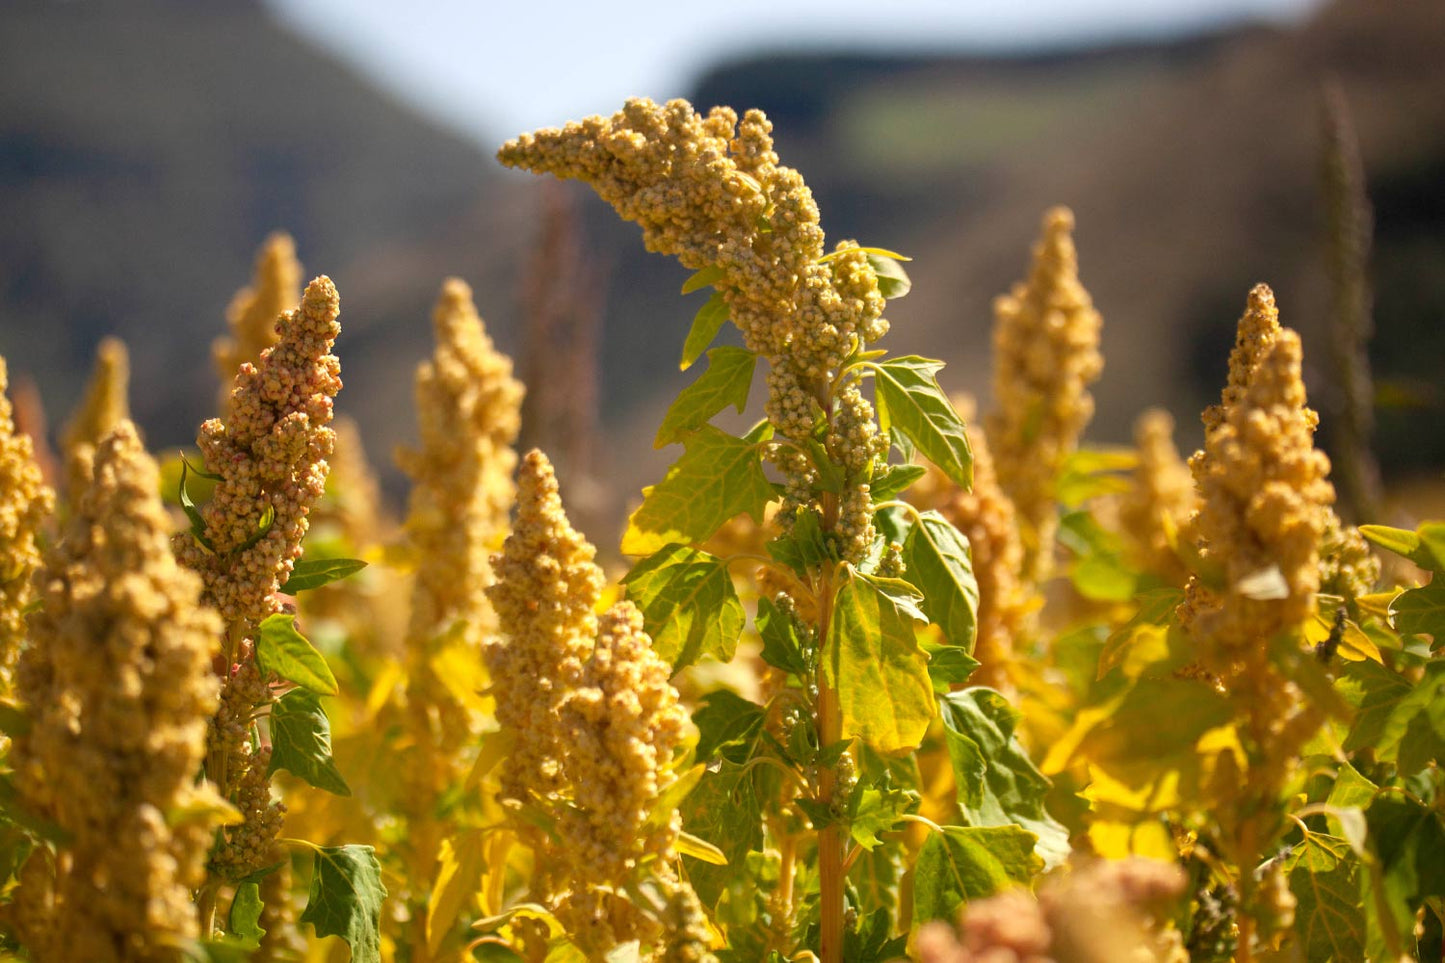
[311, 574]
[1324, 875]
[873, 661]
[687, 599]
[964, 863]
[301, 741]
[705, 325]
[346, 897]
[998, 785]
[727, 380]
[286, 653]
[245, 915]
[936, 556]
[909, 398]
[717, 478]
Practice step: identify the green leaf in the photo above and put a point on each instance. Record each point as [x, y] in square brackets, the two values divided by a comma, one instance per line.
[688, 602]
[782, 645]
[1091, 472]
[905, 596]
[723, 719]
[870, 942]
[880, 251]
[1407, 838]
[245, 915]
[1373, 691]
[893, 281]
[1414, 733]
[717, 478]
[725, 810]
[301, 741]
[1329, 920]
[948, 666]
[909, 398]
[701, 279]
[727, 381]
[965, 863]
[873, 811]
[281, 650]
[873, 663]
[803, 547]
[193, 514]
[939, 562]
[705, 326]
[1425, 546]
[1421, 611]
[309, 574]
[346, 897]
[1098, 569]
[891, 481]
[998, 784]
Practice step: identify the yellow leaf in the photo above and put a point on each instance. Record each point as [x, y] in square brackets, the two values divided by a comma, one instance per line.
[1378, 603]
[459, 867]
[689, 845]
[1114, 840]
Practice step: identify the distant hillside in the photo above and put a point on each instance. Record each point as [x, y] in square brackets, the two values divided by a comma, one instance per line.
[147, 147]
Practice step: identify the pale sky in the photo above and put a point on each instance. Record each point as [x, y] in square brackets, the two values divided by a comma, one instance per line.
[493, 69]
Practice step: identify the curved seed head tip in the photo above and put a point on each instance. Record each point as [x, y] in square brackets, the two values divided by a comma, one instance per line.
[320, 294]
[1058, 220]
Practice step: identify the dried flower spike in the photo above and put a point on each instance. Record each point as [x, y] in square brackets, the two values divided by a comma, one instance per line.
[1046, 354]
[25, 503]
[119, 688]
[106, 404]
[252, 313]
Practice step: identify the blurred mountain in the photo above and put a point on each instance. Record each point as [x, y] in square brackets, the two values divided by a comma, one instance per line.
[147, 147]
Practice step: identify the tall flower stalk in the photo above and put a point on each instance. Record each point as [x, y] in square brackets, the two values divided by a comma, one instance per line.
[106, 403]
[25, 503]
[468, 407]
[1046, 354]
[268, 460]
[275, 288]
[119, 688]
[709, 190]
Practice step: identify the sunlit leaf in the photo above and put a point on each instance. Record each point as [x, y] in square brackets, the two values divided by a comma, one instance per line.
[688, 602]
[727, 380]
[891, 481]
[873, 663]
[301, 741]
[458, 870]
[309, 574]
[289, 655]
[705, 325]
[717, 478]
[1329, 920]
[965, 863]
[346, 897]
[1421, 611]
[910, 400]
[782, 645]
[893, 281]
[937, 559]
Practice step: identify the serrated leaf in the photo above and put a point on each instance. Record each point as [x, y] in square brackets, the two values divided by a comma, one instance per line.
[893, 281]
[891, 481]
[998, 784]
[938, 561]
[725, 718]
[782, 646]
[1373, 691]
[727, 381]
[705, 325]
[458, 873]
[875, 811]
[308, 574]
[245, 915]
[965, 863]
[346, 897]
[1329, 921]
[1421, 611]
[724, 810]
[948, 666]
[301, 741]
[717, 478]
[283, 651]
[701, 279]
[910, 399]
[873, 662]
[688, 603]
[1414, 733]
[803, 547]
